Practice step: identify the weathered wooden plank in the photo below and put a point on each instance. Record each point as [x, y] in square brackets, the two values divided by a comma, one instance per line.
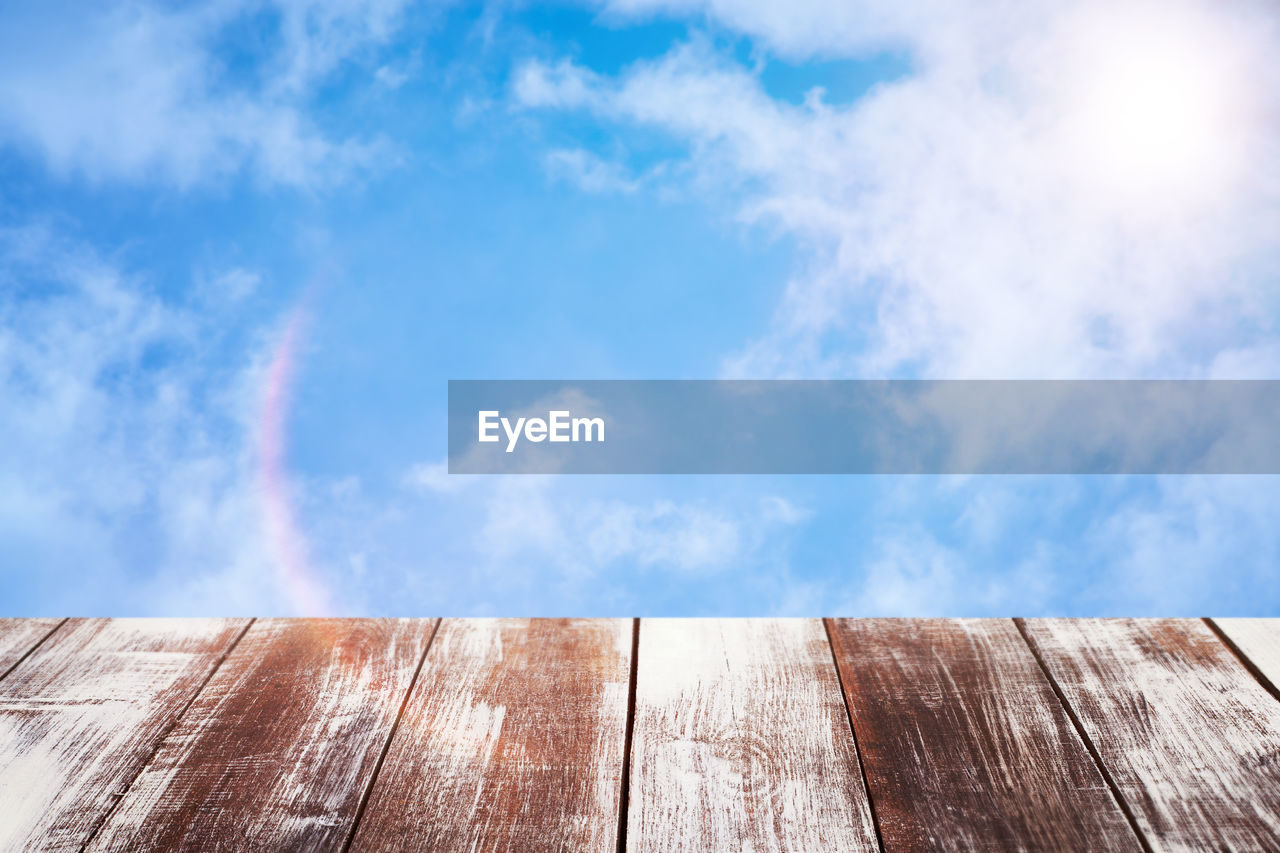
[964, 744]
[741, 741]
[280, 746]
[512, 740]
[18, 636]
[1189, 736]
[1259, 641]
[82, 715]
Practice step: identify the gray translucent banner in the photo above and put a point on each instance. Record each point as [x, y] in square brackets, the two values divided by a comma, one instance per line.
[863, 427]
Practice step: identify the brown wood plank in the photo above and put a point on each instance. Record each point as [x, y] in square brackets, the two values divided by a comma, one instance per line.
[1187, 733]
[741, 741]
[1259, 641]
[19, 636]
[82, 715]
[964, 744]
[512, 740]
[279, 748]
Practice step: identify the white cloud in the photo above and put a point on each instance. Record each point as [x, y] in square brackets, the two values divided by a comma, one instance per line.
[965, 221]
[590, 173]
[435, 477]
[1196, 545]
[685, 537]
[549, 522]
[775, 508]
[1084, 189]
[822, 28]
[146, 92]
[229, 286]
[1140, 546]
[914, 574]
[954, 228]
[127, 481]
[135, 478]
[563, 85]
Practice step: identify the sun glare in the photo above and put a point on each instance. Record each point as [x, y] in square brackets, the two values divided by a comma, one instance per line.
[1154, 108]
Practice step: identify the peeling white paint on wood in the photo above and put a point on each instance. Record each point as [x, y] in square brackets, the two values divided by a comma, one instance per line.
[742, 742]
[279, 747]
[1259, 641]
[19, 636]
[513, 737]
[82, 714]
[1189, 735]
[964, 743]
[511, 741]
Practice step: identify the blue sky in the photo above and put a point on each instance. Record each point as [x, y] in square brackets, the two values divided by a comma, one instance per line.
[244, 245]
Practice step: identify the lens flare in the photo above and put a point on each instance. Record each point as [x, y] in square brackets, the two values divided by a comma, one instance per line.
[1154, 102]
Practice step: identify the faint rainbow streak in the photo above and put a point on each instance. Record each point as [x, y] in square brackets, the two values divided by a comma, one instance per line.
[288, 546]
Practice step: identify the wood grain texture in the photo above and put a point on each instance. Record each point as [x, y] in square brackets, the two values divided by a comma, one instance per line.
[1190, 737]
[82, 715]
[965, 745]
[741, 741]
[1259, 641]
[19, 636]
[512, 741]
[280, 746]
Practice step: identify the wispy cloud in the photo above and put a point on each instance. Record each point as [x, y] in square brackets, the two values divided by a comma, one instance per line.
[546, 521]
[1059, 546]
[146, 472]
[984, 215]
[163, 94]
[977, 218]
[1057, 190]
[127, 481]
[589, 172]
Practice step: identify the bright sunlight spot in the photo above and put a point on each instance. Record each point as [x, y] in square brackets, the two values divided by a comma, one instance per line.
[1154, 107]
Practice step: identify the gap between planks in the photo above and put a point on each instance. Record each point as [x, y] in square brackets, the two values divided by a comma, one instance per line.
[1020, 623]
[81, 714]
[1254, 669]
[624, 792]
[853, 731]
[1187, 732]
[386, 746]
[624, 804]
[277, 749]
[102, 821]
[513, 739]
[30, 651]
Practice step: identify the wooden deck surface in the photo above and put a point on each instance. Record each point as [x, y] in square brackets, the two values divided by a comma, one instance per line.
[655, 735]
